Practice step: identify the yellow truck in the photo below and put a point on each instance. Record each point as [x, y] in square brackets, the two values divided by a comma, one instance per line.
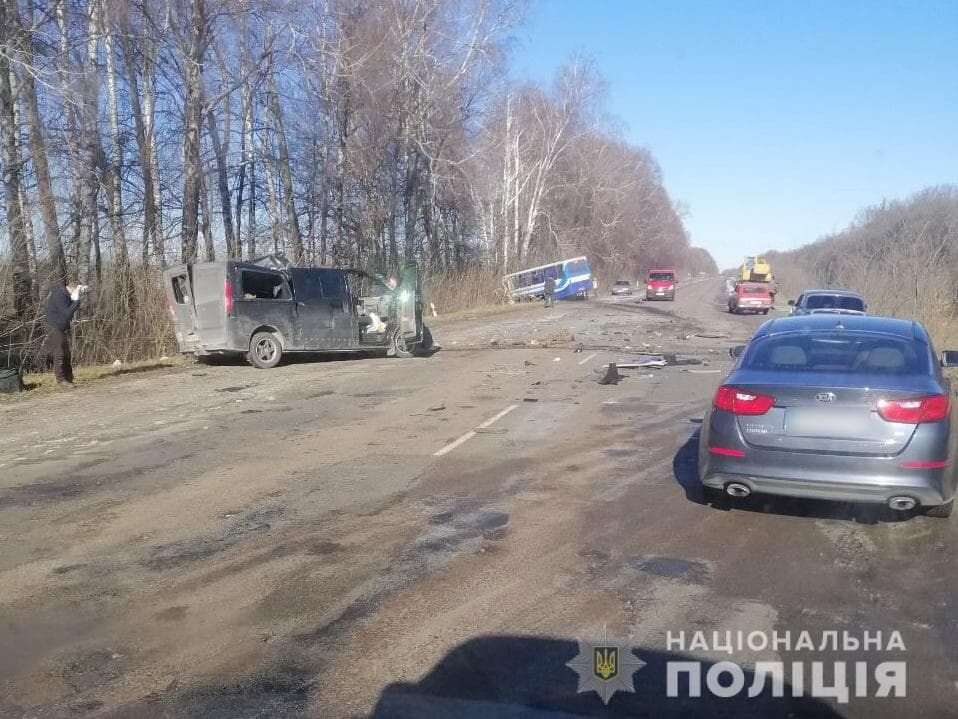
[756, 269]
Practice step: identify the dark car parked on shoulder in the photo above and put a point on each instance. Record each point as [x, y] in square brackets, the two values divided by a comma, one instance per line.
[847, 408]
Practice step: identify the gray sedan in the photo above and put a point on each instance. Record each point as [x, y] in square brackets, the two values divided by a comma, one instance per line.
[842, 407]
[828, 301]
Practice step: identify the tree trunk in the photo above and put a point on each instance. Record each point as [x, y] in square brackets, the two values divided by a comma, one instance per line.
[121, 256]
[192, 119]
[207, 225]
[285, 174]
[90, 145]
[38, 151]
[19, 254]
[25, 214]
[272, 203]
[223, 186]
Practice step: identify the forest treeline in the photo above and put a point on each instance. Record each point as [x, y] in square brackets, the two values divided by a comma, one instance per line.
[902, 255]
[139, 133]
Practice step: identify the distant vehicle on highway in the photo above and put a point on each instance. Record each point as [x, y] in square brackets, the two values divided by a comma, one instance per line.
[622, 287]
[750, 297]
[849, 408]
[264, 309]
[573, 279]
[660, 285]
[833, 301]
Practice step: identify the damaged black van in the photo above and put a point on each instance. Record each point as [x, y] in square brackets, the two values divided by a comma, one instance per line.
[265, 308]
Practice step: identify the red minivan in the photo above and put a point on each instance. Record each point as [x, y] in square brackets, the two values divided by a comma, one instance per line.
[660, 285]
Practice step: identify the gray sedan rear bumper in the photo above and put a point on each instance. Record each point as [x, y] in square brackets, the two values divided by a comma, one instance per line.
[927, 491]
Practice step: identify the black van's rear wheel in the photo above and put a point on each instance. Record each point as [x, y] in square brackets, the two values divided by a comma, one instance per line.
[265, 350]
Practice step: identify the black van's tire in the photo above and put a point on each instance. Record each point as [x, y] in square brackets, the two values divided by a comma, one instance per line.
[399, 346]
[265, 350]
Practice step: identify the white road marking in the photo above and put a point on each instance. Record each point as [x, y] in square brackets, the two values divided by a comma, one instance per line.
[472, 432]
[588, 358]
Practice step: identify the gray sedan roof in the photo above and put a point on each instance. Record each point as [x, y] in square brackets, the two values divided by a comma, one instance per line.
[908, 329]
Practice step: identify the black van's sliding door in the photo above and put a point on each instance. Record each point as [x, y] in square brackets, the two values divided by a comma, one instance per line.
[325, 316]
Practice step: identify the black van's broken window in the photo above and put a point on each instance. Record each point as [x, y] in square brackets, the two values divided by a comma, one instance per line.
[181, 289]
[263, 286]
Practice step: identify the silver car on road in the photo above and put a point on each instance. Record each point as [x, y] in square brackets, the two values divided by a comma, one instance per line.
[842, 407]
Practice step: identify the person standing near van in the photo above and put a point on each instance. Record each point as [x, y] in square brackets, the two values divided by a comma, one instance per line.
[550, 292]
[61, 306]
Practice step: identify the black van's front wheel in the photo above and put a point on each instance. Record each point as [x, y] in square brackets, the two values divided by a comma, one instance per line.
[400, 348]
[265, 350]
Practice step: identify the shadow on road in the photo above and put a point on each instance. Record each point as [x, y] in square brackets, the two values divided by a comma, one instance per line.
[685, 471]
[513, 676]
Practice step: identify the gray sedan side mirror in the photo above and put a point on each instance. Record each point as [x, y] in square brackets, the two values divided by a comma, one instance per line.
[949, 358]
[736, 351]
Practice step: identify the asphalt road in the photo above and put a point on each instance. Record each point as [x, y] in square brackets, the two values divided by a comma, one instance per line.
[430, 537]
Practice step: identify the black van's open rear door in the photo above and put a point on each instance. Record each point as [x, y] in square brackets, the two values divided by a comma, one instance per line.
[178, 287]
[196, 295]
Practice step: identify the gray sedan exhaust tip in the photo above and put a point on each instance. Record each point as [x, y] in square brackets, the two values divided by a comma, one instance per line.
[736, 489]
[902, 504]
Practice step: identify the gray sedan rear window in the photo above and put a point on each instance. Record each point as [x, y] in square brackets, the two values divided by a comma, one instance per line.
[834, 302]
[851, 352]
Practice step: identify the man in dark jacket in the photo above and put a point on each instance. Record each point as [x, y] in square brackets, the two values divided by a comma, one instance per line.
[63, 303]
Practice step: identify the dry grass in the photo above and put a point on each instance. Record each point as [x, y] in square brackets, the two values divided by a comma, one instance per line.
[45, 383]
[475, 287]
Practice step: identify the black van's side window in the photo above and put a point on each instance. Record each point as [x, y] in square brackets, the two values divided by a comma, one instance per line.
[334, 284]
[263, 285]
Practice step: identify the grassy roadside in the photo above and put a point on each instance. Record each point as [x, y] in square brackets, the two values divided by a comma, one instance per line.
[476, 313]
[45, 383]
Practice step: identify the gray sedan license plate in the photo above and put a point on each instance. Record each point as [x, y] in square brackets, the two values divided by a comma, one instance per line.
[831, 422]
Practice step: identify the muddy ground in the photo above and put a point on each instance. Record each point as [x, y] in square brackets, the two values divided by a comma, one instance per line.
[220, 541]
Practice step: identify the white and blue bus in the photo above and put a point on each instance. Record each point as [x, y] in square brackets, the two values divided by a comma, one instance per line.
[573, 279]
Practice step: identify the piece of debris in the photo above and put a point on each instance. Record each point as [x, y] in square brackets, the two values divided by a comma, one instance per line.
[651, 362]
[611, 375]
[530, 399]
[720, 336]
[490, 430]
[536, 382]
[529, 364]
[117, 363]
[680, 361]
[433, 308]
[557, 359]
[579, 347]
[438, 407]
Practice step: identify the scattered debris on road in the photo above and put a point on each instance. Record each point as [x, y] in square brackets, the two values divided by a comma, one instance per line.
[611, 375]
